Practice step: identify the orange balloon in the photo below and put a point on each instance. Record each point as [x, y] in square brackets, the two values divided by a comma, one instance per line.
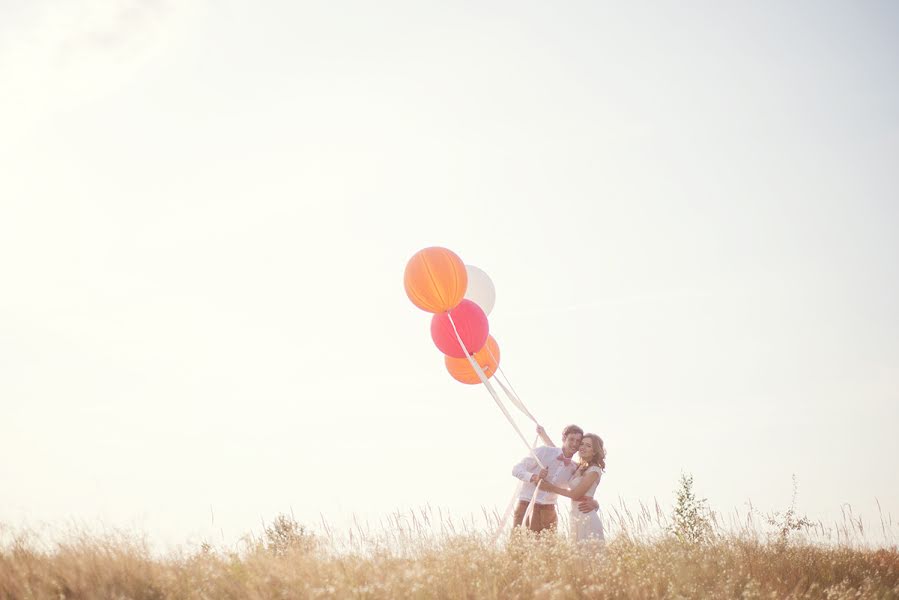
[461, 369]
[435, 279]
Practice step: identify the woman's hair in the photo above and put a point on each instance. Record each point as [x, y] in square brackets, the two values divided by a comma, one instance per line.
[599, 452]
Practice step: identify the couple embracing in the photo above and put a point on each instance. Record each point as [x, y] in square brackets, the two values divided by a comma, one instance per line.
[563, 476]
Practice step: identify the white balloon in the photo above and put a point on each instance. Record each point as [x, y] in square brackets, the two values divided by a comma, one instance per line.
[480, 289]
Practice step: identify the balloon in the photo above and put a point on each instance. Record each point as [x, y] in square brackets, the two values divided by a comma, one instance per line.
[471, 322]
[435, 279]
[461, 369]
[480, 289]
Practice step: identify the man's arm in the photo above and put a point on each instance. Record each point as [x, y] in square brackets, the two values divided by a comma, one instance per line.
[546, 439]
[588, 505]
[527, 470]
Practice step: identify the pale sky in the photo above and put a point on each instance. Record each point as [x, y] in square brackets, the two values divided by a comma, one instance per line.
[689, 212]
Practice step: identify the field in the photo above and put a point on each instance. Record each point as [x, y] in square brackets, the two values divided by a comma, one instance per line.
[690, 554]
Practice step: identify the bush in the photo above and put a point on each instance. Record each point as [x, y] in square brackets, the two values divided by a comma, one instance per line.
[691, 521]
[285, 536]
[788, 521]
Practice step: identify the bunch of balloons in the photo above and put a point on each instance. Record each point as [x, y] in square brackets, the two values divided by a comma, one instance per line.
[460, 297]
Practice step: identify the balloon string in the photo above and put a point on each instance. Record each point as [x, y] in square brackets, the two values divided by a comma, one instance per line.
[529, 513]
[501, 525]
[486, 382]
[513, 396]
[516, 401]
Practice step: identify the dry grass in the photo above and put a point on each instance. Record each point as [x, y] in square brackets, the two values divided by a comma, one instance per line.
[423, 555]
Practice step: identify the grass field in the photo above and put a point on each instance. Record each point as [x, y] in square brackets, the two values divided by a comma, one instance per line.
[691, 553]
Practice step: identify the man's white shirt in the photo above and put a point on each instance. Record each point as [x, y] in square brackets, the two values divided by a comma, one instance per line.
[558, 475]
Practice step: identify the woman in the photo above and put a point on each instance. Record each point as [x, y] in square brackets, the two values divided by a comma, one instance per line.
[592, 454]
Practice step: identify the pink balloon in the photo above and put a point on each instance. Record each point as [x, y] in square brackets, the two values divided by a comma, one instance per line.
[473, 328]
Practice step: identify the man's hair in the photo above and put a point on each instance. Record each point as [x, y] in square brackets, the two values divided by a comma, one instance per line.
[572, 429]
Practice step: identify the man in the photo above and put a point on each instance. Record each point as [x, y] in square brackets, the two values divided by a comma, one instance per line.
[558, 469]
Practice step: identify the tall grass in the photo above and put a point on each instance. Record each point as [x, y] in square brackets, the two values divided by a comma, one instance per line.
[426, 554]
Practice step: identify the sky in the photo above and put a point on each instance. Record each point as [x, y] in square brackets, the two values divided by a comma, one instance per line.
[689, 214]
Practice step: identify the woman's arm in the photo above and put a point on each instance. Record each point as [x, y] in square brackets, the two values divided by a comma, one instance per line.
[584, 485]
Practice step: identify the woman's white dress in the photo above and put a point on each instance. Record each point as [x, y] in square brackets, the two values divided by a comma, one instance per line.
[585, 526]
